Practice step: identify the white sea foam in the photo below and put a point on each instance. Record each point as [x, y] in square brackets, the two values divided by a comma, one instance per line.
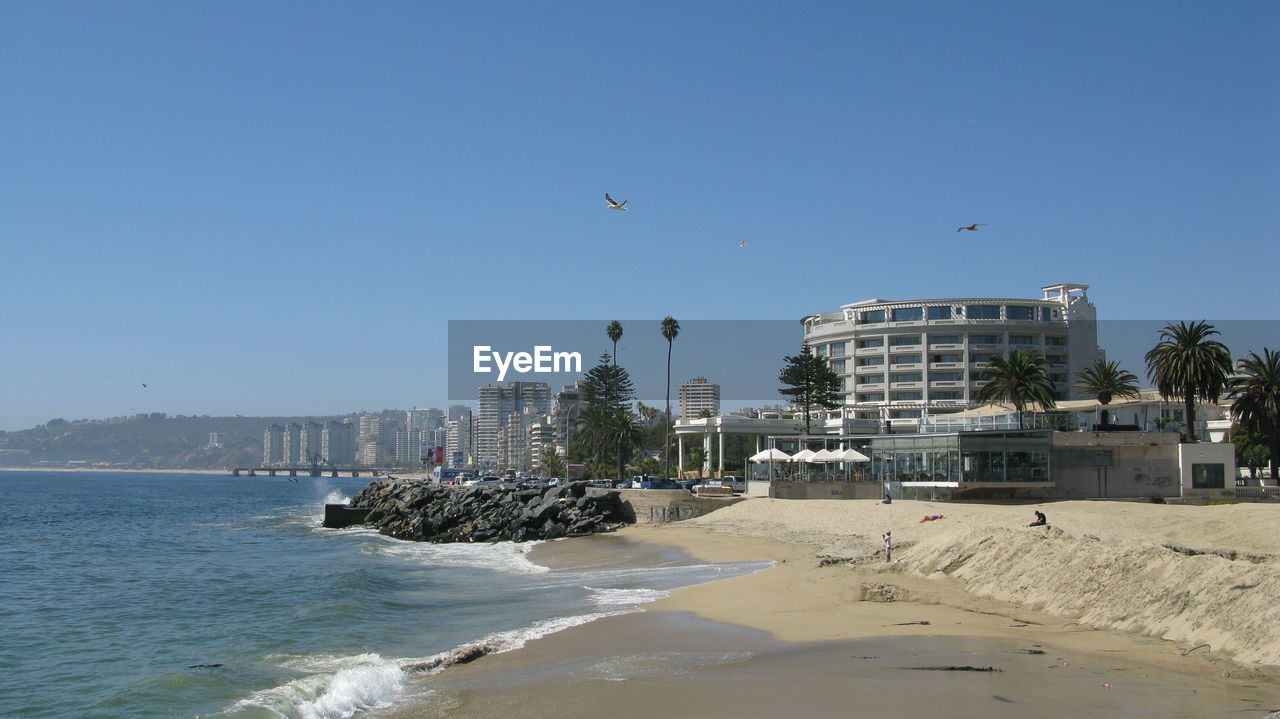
[338, 688]
[507, 557]
[624, 597]
[500, 642]
[336, 497]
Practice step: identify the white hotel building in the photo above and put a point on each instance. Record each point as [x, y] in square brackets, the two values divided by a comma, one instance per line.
[902, 361]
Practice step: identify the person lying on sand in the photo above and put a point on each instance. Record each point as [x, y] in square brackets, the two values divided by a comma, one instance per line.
[932, 518]
[1040, 520]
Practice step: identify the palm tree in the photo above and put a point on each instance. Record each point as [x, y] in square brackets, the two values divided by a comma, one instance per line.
[614, 332]
[1105, 380]
[1188, 364]
[624, 431]
[670, 330]
[1021, 379]
[594, 431]
[1256, 390]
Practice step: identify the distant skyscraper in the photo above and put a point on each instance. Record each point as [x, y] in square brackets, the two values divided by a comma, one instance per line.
[457, 411]
[311, 442]
[498, 403]
[217, 440]
[292, 444]
[338, 443]
[458, 446]
[273, 445]
[698, 396]
[565, 416]
[420, 419]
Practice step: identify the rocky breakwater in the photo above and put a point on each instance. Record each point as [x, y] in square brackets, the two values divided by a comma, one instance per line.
[425, 512]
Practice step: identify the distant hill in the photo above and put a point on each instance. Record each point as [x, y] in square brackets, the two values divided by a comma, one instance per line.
[151, 441]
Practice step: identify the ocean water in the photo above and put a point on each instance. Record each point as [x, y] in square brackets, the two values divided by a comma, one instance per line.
[183, 595]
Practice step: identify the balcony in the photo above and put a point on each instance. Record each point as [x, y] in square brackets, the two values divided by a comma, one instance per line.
[986, 348]
[904, 348]
[946, 365]
[906, 366]
[906, 385]
[870, 368]
[864, 351]
[946, 346]
[947, 383]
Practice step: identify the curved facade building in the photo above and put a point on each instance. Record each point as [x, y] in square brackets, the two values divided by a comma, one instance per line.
[905, 360]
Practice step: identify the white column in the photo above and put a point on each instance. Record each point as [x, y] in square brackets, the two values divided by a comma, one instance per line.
[720, 442]
[680, 453]
[706, 451]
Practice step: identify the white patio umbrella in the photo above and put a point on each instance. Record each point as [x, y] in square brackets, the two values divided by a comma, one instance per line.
[853, 455]
[825, 455]
[770, 455]
[804, 455]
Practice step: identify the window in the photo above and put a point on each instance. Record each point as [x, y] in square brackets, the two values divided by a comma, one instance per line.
[1046, 314]
[944, 339]
[907, 377]
[837, 349]
[871, 379]
[908, 314]
[875, 342]
[905, 359]
[1056, 359]
[940, 313]
[946, 376]
[870, 361]
[1207, 476]
[871, 316]
[903, 341]
[904, 414]
[982, 358]
[1019, 312]
[947, 357]
[984, 339]
[1024, 340]
[906, 396]
[946, 394]
[983, 312]
[871, 397]
[837, 366]
[1056, 341]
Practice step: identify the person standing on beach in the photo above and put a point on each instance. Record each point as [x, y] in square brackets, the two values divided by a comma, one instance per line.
[888, 545]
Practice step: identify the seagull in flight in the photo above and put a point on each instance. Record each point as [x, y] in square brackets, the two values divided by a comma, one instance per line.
[613, 204]
[144, 384]
[742, 244]
[971, 228]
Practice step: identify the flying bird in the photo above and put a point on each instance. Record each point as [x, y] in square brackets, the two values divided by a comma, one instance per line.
[144, 384]
[742, 244]
[971, 228]
[613, 204]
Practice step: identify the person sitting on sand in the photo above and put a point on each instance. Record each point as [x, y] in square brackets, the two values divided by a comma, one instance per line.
[887, 500]
[1040, 520]
[932, 518]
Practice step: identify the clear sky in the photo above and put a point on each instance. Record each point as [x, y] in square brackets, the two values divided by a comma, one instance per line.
[275, 207]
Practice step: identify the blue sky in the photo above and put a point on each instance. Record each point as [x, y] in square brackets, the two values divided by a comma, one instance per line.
[276, 207]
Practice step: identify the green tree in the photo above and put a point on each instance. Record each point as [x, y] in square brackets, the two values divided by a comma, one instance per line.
[593, 440]
[810, 383]
[1187, 364]
[552, 465]
[1020, 380]
[1251, 450]
[1105, 381]
[1256, 390]
[607, 385]
[670, 330]
[614, 333]
[626, 435]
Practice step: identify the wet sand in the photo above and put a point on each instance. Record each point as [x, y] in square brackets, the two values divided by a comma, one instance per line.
[808, 638]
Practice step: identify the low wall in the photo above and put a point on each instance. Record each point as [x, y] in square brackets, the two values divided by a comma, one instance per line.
[826, 490]
[656, 506]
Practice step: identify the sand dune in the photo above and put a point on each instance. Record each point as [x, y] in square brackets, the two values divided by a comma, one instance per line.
[1194, 575]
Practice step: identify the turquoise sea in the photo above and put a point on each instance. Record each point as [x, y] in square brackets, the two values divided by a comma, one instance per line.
[137, 595]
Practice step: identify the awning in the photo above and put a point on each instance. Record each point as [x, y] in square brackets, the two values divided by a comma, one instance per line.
[770, 455]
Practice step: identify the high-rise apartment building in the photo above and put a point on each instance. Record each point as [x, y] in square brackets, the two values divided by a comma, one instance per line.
[698, 396]
[457, 411]
[564, 418]
[292, 443]
[273, 445]
[458, 445]
[498, 403]
[338, 443]
[901, 360]
[311, 442]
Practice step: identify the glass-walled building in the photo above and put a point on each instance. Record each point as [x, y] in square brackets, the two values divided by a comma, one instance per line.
[963, 460]
[902, 361]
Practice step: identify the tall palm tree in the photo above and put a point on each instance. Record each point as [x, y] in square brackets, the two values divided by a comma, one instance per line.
[1105, 381]
[594, 431]
[1188, 364]
[1020, 380]
[614, 332]
[670, 330]
[1256, 390]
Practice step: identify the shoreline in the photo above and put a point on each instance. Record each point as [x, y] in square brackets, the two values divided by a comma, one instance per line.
[117, 470]
[805, 637]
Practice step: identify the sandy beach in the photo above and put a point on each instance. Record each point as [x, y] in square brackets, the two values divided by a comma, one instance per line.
[1113, 609]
